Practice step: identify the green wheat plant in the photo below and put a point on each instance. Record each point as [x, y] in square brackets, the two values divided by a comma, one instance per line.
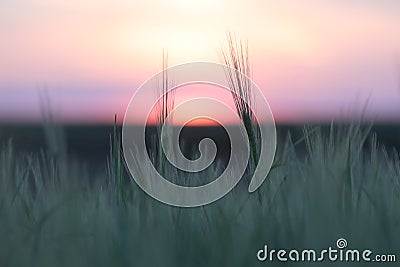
[163, 109]
[236, 56]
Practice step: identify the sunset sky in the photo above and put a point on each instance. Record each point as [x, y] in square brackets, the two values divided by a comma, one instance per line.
[314, 60]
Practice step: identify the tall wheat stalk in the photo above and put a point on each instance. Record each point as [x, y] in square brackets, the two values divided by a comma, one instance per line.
[236, 56]
[163, 109]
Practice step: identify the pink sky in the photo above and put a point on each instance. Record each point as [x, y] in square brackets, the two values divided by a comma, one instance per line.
[314, 60]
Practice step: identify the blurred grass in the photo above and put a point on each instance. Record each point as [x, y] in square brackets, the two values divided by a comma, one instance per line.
[52, 213]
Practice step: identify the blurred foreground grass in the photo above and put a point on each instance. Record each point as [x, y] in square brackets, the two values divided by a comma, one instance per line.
[54, 213]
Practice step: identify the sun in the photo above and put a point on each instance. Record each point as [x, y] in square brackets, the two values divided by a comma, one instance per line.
[194, 5]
